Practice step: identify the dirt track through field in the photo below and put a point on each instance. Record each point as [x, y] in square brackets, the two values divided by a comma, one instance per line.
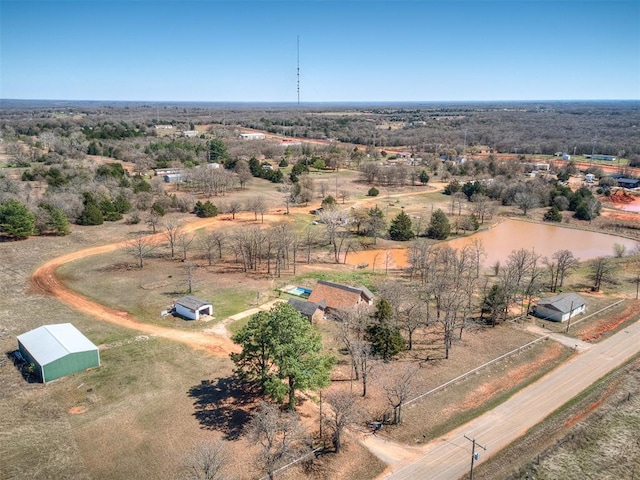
[45, 281]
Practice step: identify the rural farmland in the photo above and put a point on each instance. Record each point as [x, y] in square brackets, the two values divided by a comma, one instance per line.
[406, 278]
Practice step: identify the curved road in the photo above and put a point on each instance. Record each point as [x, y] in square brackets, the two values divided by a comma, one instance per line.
[46, 282]
[449, 456]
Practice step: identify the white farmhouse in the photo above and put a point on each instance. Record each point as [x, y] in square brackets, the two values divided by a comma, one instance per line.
[560, 308]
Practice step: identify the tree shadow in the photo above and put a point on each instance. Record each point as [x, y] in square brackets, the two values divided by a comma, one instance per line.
[225, 405]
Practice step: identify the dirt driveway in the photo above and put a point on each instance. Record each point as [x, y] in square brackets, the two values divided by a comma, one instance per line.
[45, 281]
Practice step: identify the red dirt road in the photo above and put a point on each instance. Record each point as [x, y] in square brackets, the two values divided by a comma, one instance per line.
[45, 281]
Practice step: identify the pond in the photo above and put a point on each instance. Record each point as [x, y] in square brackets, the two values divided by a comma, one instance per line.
[545, 239]
[509, 235]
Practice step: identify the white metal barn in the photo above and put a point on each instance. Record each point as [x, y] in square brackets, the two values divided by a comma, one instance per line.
[192, 308]
[560, 308]
[58, 350]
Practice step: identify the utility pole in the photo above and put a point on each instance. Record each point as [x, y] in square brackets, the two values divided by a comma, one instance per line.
[474, 455]
[321, 437]
[569, 321]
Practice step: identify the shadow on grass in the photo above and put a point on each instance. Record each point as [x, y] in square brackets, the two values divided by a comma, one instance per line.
[225, 405]
[27, 370]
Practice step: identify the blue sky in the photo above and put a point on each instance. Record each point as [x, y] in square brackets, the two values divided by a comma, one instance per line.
[350, 50]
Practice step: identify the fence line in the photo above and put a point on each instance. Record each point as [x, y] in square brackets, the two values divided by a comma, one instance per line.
[471, 372]
[293, 462]
[573, 322]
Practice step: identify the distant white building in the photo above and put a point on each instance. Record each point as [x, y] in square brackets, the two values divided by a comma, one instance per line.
[589, 178]
[252, 136]
[190, 133]
[163, 127]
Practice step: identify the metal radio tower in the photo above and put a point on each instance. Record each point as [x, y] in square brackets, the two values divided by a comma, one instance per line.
[298, 68]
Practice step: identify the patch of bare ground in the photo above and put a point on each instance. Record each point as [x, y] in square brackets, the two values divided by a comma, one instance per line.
[595, 436]
[609, 323]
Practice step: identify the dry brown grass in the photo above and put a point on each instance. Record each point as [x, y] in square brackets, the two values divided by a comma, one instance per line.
[595, 437]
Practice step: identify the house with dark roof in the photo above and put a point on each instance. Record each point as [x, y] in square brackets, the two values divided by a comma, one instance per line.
[340, 297]
[628, 182]
[560, 308]
[310, 310]
[192, 308]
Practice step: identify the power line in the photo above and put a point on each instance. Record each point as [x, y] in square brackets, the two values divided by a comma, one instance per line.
[474, 455]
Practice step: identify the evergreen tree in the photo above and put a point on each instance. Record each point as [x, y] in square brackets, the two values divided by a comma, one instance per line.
[58, 221]
[424, 177]
[385, 339]
[401, 228]
[439, 227]
[495, 303]
[553, 215]
[217, 151]
[373, 192]
[205, 210]
[16, 219]
[329, 203]
[91, 215]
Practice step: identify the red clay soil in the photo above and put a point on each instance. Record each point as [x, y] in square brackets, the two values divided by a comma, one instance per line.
[598, 330]
[593, 407]
[622, 196]
[45, 281]
[497, 385]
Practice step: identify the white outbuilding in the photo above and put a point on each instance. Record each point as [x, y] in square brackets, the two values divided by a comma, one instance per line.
[192, 308]
[560, 308]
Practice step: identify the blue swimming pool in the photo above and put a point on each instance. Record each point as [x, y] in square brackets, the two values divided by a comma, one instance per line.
[300, 292]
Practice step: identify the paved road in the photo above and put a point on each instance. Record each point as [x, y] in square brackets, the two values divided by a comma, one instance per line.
[449, 456]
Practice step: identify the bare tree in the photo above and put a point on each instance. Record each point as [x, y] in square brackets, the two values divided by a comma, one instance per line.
[207, 461]
[280, 435]
[258, 205]
[345, 411]
[344, 195]
[171, 233]
[154, 220]
[526, 199]
[184, 241]
[140, 248]
[483, 207]
[352, 326]
[233, 207]
[602, 271]
[399, 388]
[189, 276]
[561, 264]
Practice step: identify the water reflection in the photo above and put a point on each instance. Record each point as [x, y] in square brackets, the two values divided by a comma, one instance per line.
[545, 239]
[501, 240]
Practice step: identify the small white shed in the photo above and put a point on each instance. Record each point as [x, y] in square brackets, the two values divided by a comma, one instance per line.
[560, 308]
[192, 308]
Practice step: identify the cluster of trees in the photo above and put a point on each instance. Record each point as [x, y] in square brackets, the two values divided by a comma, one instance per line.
[507, 128]
[525, 195]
